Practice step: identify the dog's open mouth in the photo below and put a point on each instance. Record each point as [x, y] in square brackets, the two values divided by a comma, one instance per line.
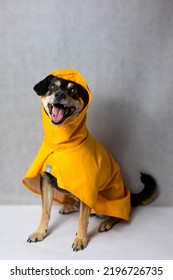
[59, 112]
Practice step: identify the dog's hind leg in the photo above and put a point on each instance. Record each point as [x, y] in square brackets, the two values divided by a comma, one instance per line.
[108, 224]
[47, 191]
[70, 206]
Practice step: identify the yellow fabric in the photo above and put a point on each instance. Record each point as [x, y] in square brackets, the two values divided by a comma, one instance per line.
[81, 164]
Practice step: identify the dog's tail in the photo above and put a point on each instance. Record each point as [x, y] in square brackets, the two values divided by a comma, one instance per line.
[149, 192]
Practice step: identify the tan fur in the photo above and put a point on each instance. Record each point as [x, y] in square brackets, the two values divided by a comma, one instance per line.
[68, 208]
[47, 200]
[80, 242]
[150, 199]
[108, 224]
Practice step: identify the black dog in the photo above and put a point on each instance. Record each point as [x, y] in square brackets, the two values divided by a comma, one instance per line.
[65, 102]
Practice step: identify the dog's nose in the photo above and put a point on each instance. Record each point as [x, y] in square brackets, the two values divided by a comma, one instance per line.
[60, 95]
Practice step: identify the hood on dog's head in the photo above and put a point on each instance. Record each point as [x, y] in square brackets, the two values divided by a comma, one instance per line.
[66, 74]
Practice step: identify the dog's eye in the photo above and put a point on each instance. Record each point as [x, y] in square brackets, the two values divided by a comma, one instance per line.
[53, 87]
[73, 92]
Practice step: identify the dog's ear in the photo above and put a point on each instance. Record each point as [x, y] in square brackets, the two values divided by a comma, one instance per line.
[42, 87]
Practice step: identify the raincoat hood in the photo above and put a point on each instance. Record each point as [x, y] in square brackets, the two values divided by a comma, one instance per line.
[72, 132]
[81, 165]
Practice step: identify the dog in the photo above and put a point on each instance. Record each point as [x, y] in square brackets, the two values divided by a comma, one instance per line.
[64, 100]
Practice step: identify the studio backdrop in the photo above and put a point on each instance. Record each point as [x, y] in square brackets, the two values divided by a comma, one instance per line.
[124, 49]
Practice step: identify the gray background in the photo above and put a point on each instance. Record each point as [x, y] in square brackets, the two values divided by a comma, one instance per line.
[124, 49]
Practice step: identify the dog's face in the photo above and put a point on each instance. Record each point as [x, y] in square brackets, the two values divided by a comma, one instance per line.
[62, 99]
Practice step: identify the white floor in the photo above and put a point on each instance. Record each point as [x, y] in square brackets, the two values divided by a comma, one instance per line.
[147, 236]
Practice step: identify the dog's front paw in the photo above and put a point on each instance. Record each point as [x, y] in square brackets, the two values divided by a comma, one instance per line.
[79, 244]
[37, 236]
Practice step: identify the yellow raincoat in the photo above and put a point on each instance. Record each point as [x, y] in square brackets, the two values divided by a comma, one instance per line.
[81, 165]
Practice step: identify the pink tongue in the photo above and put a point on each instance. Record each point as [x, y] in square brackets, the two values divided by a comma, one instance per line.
[57, 114]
